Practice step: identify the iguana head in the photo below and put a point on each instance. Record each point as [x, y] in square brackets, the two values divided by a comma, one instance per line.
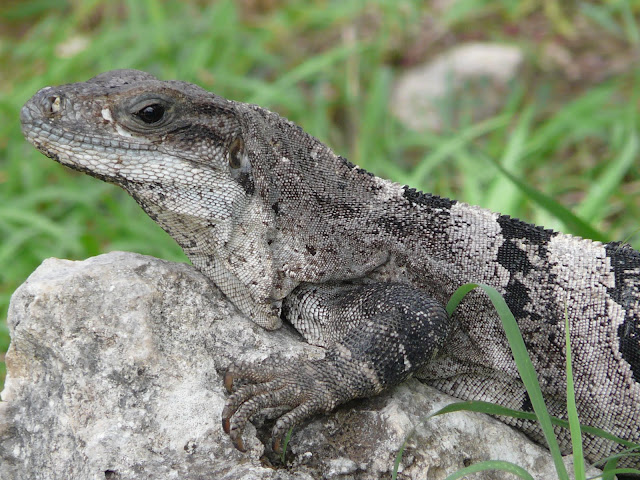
[179, 151]
[257, 204]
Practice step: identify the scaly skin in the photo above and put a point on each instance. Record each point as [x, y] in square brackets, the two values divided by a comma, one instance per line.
[358, 264]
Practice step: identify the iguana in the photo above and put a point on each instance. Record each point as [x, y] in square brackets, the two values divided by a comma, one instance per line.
[357, 264]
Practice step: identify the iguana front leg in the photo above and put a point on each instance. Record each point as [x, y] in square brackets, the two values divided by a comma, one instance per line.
[376, 336]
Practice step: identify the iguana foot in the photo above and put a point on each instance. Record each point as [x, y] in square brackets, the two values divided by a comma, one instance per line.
[307, 389]
[376, 336]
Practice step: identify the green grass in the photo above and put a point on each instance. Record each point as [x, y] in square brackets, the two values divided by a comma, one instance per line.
[562, 156]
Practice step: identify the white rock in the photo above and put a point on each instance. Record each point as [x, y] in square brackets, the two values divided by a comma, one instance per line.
[419, 93]
[114, 371]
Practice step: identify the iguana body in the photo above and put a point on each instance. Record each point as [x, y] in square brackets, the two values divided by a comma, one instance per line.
[358, 264]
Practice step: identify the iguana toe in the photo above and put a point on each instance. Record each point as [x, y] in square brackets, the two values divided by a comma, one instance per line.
[303, 390]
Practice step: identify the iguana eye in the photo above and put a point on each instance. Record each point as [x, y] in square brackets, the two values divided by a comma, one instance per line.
[236, 150]
[151, 113]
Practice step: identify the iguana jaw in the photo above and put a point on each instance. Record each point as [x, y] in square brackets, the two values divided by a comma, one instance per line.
[182, 180]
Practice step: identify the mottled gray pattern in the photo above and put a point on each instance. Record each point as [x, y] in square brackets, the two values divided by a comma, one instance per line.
[358, 264]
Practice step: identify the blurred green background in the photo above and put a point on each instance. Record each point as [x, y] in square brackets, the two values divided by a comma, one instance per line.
[561, 150]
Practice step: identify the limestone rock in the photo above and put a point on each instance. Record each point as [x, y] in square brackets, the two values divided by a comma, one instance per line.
[114, 372]
[468, 80]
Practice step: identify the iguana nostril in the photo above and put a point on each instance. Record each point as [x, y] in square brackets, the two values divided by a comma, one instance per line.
[51, 105]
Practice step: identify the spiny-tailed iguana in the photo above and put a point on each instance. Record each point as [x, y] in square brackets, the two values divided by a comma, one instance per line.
[360, 265]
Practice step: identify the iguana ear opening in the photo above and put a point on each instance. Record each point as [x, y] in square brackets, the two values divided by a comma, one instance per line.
[239, 165]
[236, 153]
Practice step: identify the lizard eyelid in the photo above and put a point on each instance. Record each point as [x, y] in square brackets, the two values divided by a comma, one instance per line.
[148, 112]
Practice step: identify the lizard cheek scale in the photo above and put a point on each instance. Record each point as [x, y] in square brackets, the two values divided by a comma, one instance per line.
[359, 265]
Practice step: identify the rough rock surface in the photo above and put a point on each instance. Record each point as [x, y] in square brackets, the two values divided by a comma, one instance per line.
[114, 372]
[472, 77]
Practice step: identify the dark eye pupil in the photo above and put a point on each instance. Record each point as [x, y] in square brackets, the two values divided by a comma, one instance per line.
[151, 113]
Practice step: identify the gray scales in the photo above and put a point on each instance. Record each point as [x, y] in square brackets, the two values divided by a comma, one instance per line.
[357, 264]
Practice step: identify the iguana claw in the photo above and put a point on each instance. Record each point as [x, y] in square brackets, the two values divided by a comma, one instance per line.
[304, 389]
[228, 382]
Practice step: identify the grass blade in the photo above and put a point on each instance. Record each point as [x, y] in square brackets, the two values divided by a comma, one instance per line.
[573, 222]
[503, 193]
[572, 410]
[452, 145]
[500, 465]
[523, 362]
[592, 207]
